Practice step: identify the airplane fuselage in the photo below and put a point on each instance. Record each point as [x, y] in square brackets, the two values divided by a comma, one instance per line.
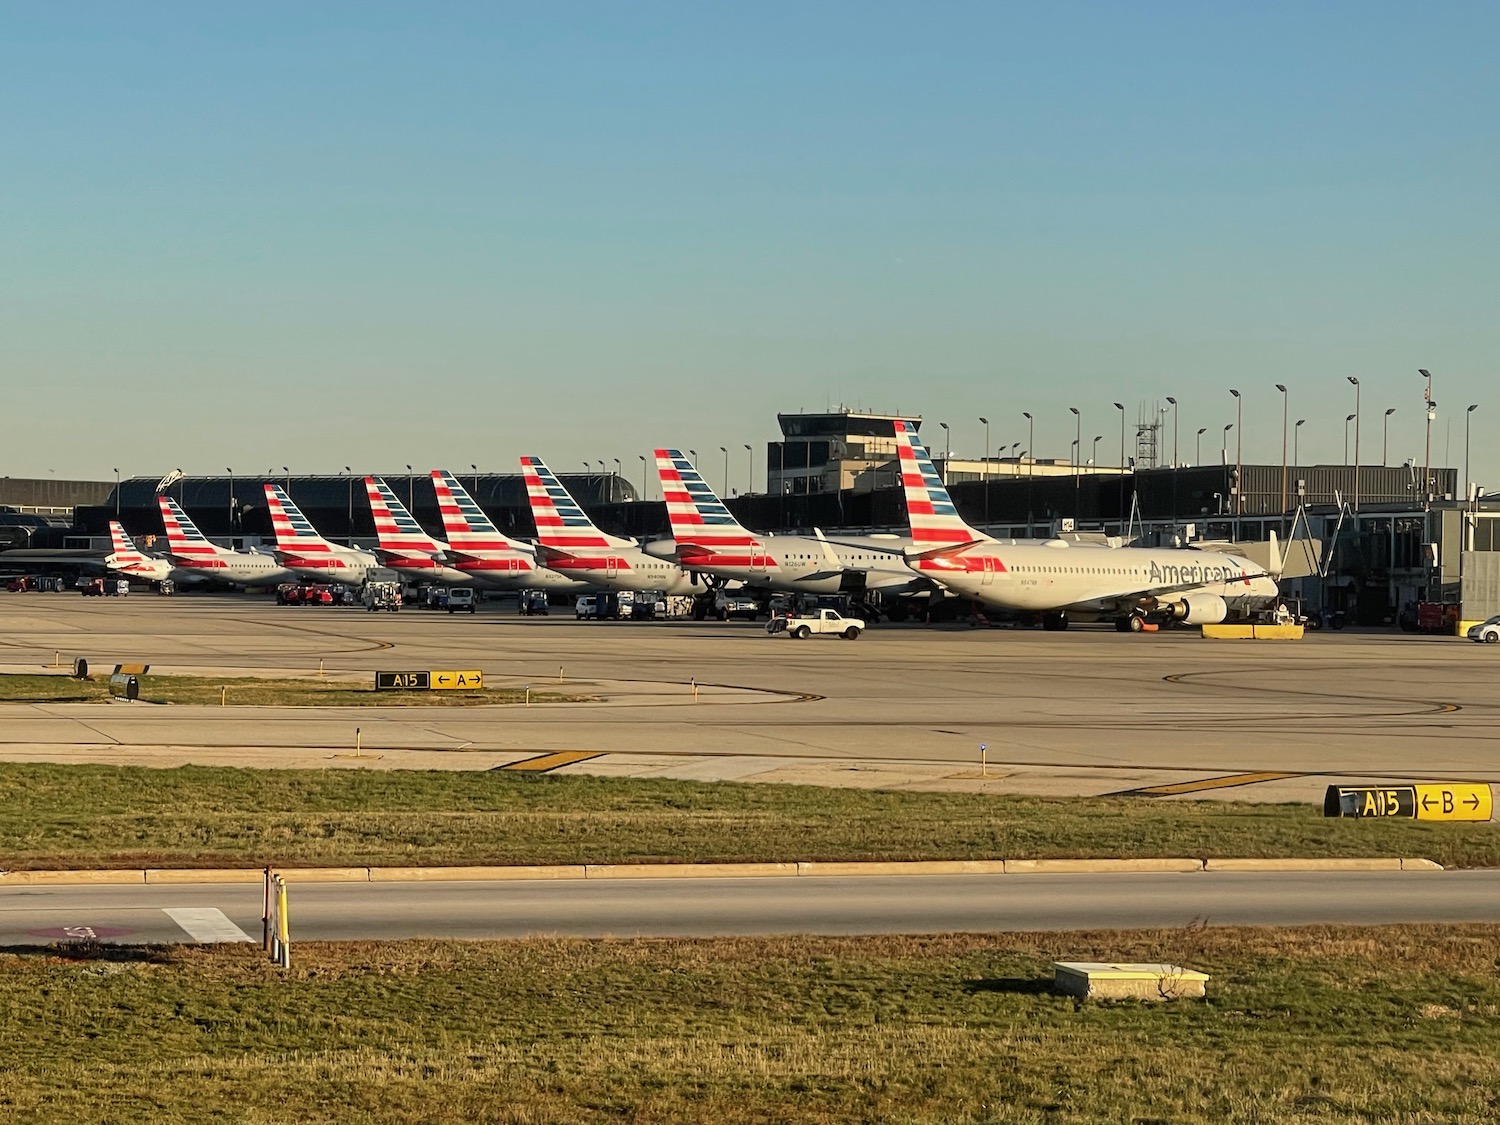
[801, 564]
[1046, 578]
[622, 568]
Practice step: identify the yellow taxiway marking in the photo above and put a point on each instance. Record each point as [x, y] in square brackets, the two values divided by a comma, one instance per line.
[1227, 782]
[546, 762]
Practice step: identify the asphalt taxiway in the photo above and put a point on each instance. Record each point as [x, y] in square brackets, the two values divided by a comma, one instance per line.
[1087, 711]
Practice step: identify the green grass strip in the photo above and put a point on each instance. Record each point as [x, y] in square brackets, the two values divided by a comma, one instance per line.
[1328, 1025]
[108, 816]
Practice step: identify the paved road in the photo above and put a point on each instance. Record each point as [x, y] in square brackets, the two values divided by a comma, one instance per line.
[708, 907]
[1085, 711]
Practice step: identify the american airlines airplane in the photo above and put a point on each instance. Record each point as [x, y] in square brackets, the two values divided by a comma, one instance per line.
[570, 543]
[404, 546]
[129, 560]
[1055, 578]
[302, 550]
[707, 538]
[483, 552]
[192, 553]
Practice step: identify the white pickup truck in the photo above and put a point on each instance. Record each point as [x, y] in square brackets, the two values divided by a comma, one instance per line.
[828, 622]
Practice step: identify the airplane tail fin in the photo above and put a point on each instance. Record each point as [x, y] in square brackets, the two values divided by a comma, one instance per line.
[698, 517]
[464, 521]
[183, 536]
[395, 527]
[293, 531]
[560, 523]
[121, 542]
[935, 522]
[1275, 566]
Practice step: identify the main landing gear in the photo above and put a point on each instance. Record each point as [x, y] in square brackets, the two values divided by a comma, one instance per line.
[1054, 622]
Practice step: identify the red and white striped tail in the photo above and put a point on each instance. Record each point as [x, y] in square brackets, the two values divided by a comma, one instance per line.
[935, 522]
[183, 537]
[560, 522]
[464, 521]
[294, 534]
[395, 527]
[125, 552]
[697, 515]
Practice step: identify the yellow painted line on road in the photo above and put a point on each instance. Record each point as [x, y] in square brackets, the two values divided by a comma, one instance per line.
[546, 762]
[1229, 781]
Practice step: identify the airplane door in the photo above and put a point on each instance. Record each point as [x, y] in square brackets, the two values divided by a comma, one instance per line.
[611, 566]
[758, 559]
[989, 571]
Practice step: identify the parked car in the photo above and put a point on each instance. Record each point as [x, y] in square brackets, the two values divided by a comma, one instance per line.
[823, 622]
[1486, 632]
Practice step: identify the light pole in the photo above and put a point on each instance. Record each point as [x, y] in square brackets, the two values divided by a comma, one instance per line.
[985, 476]
[1385, 437]
[642, 456]
[1284, 403]
[1077, 437]
[411, 489]
[1094, 454]
[1239, 449]
[1467, 415]
[947, 450]
[475, 470]
[1030, 469]
[117, 494]
[1347, 419]
[1173, 403]
[1355, 382]
[349, 515]
[724, 449]
[288, 473]
[231, 499]
[749, 469]
[1296, 444]
[619, 472]
[1198, 449]
[1120, 406]
[1224, 445]
[1427, 459]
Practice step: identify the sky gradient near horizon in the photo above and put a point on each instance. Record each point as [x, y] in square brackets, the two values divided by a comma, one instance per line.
[380, 234]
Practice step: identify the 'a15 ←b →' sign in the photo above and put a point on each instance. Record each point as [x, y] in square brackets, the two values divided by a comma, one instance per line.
[1451, 801]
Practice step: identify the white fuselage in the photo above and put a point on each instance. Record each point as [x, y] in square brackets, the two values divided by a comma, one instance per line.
[242, 568]
[622, 568]
[1060, 576]
[800, 563]
[339, 564]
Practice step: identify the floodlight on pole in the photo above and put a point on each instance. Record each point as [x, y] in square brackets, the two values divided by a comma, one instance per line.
[1285, 400]
[1239, 450]
[642, 456]
[1469, 413]
[1198, 449]
[1385, 437]
[411, 489]
[349, 514]
[1355, 383]
[1173, 403]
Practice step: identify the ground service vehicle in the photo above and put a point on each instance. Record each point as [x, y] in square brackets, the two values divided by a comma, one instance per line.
[461, 597]
[533, 603]
[1486, 632]
[824, 622]
[729, 604]
[382, 595]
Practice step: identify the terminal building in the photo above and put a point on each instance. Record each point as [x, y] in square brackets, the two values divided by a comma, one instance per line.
[1387, 541]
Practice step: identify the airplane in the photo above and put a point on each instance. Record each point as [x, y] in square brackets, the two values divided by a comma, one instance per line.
[484, 553]
[707, 538]
[192, 553]
[1056, 578]
[303, 551]
[569, 543]
[128, 559]
[404, 546]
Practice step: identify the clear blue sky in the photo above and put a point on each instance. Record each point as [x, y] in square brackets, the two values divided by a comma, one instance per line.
[319, 235]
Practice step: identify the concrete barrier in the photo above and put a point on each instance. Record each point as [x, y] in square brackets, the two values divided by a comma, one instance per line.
[688, 870]
[70, 878]
[1253, 632]
[206, 875]
[1372, 864]
[460, 874]
[1098, 866]
[903, 867]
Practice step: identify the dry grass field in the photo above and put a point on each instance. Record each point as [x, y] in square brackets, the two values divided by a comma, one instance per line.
[1398, 1025]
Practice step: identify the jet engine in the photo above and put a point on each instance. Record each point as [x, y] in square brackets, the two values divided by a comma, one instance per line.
[1198, 609]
